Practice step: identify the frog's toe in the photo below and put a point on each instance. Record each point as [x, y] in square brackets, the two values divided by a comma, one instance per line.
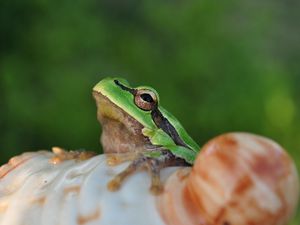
[156, 189]
[156, 185]
[114, 184]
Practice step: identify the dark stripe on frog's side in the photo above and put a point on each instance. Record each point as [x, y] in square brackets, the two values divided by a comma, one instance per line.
[164, 124]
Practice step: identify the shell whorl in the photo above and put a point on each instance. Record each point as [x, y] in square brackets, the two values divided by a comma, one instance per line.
[238, 178]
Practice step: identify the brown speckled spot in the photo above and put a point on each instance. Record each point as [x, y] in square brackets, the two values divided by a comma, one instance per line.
[74, 189]
[220, 215]
[228, 141]
[39, 201]
[243, 184]
[3, 208]
[12, 164]
[83, 219]
[192, 204]
[263, 166]
[55, 160]
[227, 159]
[182, 174]
[61, 155]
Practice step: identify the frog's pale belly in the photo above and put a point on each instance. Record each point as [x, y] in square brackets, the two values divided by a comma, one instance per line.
[40, 193]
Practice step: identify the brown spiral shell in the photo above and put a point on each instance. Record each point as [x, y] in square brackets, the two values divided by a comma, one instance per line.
[237, 179]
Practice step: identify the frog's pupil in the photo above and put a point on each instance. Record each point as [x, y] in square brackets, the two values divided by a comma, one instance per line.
[147, 98]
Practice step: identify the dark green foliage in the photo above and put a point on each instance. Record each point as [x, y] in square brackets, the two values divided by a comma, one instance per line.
[218, 66]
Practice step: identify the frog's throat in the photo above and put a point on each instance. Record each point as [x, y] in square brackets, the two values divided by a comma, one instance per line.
[120, 131]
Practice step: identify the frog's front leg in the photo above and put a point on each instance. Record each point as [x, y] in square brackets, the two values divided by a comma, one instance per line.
[153, 164]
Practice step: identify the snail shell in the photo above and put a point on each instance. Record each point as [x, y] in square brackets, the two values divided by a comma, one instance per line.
[238, 178]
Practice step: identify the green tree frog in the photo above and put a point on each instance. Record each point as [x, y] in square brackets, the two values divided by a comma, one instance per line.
[137, 127]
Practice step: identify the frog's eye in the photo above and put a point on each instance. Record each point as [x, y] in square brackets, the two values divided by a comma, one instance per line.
[145, 99]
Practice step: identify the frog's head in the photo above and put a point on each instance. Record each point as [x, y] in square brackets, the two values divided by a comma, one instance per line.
[123, 112]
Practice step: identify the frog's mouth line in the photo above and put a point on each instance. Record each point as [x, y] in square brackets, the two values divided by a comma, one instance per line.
[158, 118]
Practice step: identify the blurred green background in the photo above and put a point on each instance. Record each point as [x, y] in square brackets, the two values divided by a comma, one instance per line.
[219, 66]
